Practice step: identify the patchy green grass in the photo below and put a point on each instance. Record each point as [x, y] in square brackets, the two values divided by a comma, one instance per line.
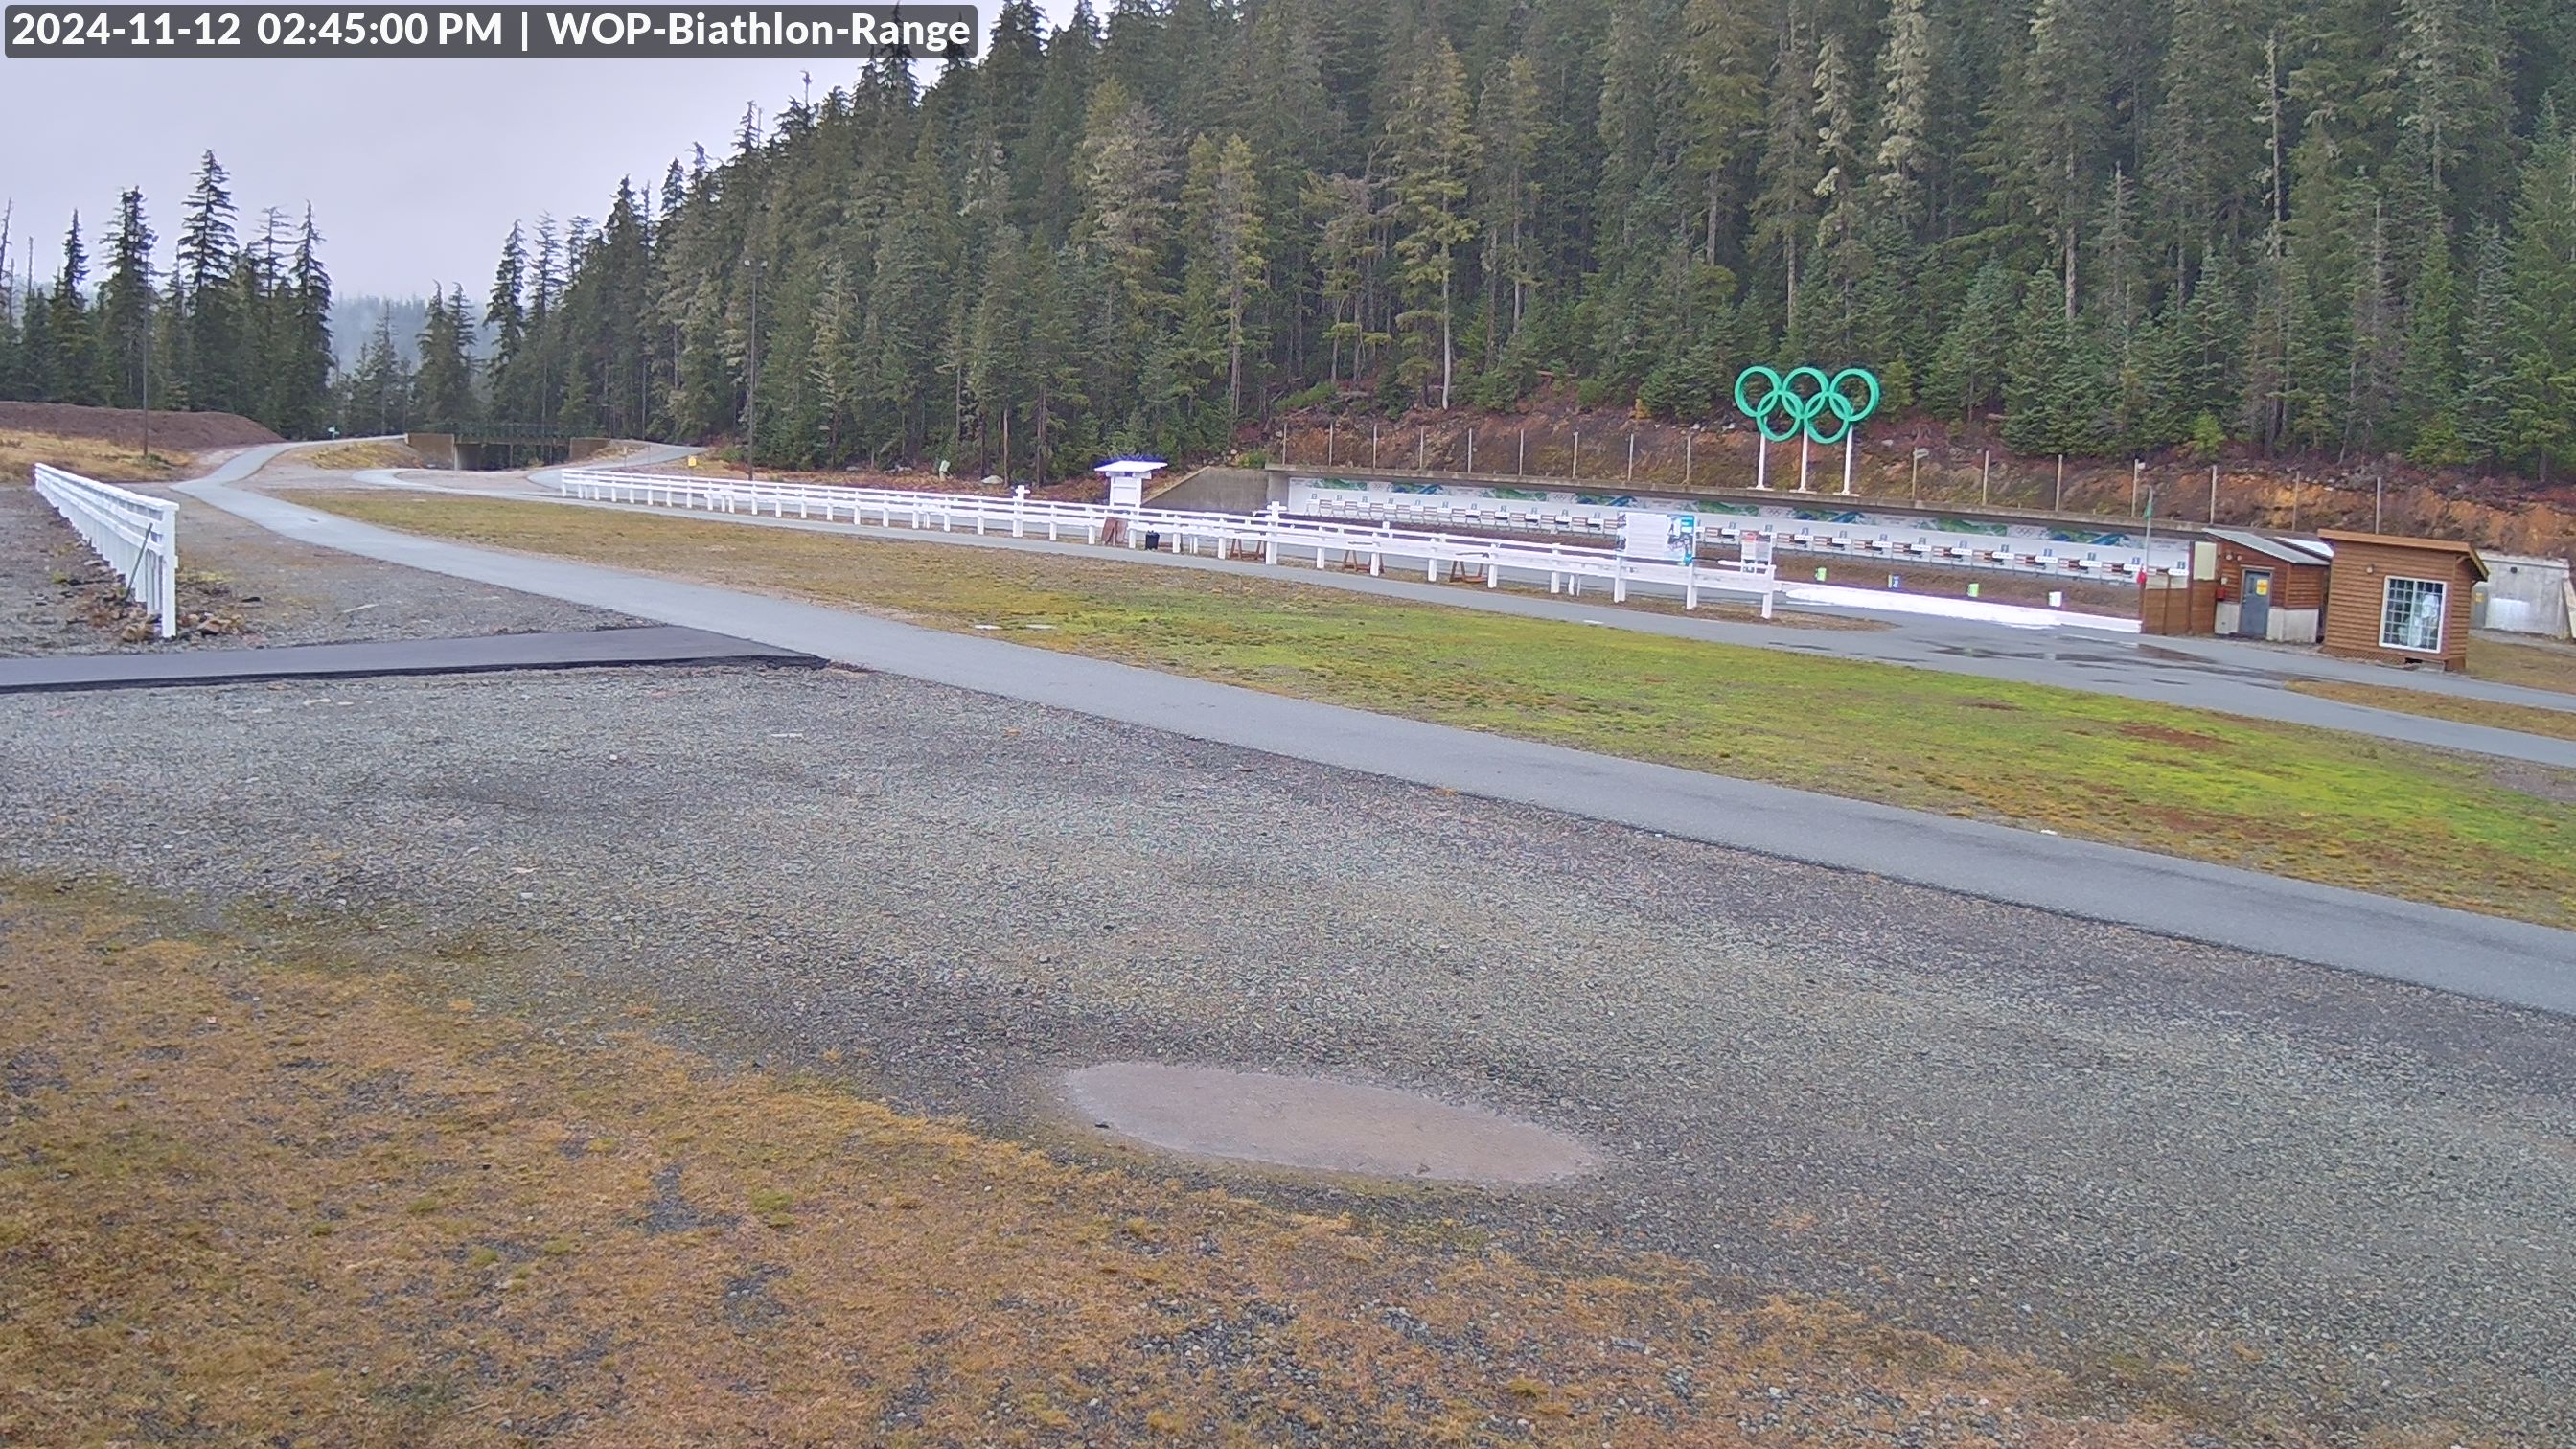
[259, 1190]
[2321, 805]
[2527, 719]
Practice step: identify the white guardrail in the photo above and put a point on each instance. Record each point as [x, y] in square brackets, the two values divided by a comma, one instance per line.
[137, 536]
[1269, 536]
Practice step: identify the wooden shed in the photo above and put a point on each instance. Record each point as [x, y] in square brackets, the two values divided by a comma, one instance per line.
[2270, 588]
[2400, 600]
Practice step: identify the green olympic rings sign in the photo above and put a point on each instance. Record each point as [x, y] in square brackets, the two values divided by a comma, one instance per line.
[1806, 401]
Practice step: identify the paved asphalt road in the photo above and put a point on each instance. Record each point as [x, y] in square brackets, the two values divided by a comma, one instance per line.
[2501, 960]
[2216, 674]
[385, 658]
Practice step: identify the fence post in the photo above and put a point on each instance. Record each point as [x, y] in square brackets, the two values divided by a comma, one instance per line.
[1575, 474]
[1632, 455]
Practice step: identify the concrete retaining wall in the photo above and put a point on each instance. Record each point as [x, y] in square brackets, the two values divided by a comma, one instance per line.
[1224, 490]
[2524, 595]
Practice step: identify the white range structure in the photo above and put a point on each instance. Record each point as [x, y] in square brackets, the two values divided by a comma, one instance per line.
[1659, 553]
[1127, 478]
[1269, 537]
[137, 536]
[2115, 554]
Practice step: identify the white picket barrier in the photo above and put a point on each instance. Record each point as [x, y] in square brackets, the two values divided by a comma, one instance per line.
[1269, 536]
[137, 536]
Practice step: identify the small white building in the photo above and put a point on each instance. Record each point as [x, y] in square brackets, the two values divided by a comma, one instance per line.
[1127, 479]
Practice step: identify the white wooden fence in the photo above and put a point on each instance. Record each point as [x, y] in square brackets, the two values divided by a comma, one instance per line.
[137, 536]
[1270, 537]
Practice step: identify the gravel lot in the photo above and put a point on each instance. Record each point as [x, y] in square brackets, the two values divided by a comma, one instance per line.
[2177, 1172]
[56, 597]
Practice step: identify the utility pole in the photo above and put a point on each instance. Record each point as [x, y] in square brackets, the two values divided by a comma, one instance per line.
[2149, 567]
[751, 397]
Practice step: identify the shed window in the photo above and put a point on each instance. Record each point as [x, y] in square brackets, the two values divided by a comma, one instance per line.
[2411, 617]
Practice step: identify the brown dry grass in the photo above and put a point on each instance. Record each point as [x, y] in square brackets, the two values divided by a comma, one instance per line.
[171, 431]
[258, 1182]
[350, 457]
[2533, 666]
[2523, 718]
[95, 458]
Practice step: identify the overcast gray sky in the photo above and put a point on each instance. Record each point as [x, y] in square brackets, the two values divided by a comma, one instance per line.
[415, 169]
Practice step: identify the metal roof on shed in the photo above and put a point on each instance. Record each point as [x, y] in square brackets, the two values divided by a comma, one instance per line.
[2287, 550]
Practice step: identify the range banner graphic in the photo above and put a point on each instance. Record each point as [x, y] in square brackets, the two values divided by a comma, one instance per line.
[489, 32]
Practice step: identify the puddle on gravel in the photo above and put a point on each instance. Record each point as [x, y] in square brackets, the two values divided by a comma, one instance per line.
[1319, 1124]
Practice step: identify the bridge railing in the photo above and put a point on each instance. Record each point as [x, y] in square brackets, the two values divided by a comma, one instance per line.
[1269, 537]
[136, 536]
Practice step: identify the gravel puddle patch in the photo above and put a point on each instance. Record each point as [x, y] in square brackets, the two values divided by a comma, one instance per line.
[1320, 1124]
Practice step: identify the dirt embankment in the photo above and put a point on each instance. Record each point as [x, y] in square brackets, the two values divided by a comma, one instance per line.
[183, 432]
[1553, 441]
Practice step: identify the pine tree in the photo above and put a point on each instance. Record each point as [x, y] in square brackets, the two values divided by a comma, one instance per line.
[1127, 180]
[304, 367]
[125, 304]
[1967, 371]
[1511, 130]
[2371, 374]
[1226, 240]
[1431, 155]
[1787, 172]
[209, 360]
[2204, 141]
[1904, 112]
[2054, 117]
[377, 399]
[2540, 399]
[442, 392]
[2429, 377]
[1722, 68]
[832, 361]
[2039, 400]
[2482, 416]
[70, 326]
[505, 312]
[2454, 92]
[1838, 193]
